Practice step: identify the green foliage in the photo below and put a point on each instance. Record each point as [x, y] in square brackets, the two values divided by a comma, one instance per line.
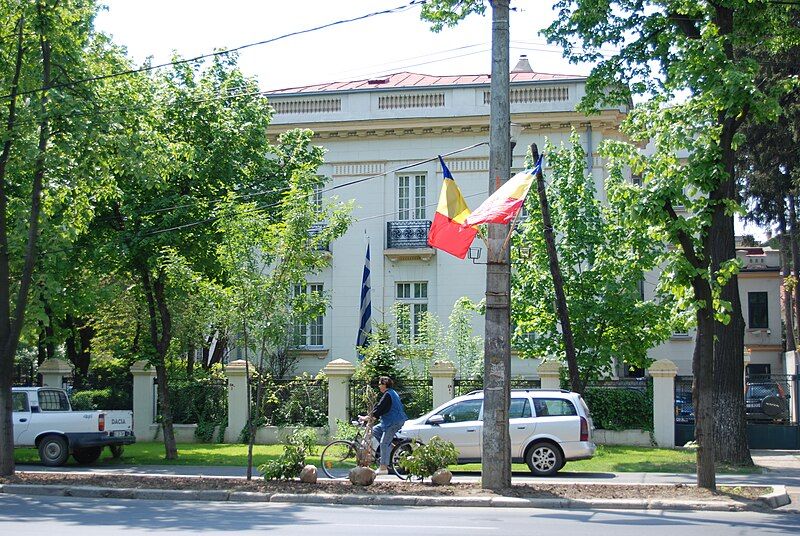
[448, 13]
[604, 256]
[427, 459]
[380, 357]
[620, 409]
[346, 430]
[299, 444]
[467, 348]
[90, 400]
[302, 401]
[200, 399]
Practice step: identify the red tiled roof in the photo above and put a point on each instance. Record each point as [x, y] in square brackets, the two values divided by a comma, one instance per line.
[407, 80]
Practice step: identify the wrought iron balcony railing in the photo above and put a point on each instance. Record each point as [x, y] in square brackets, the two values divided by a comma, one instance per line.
[314, 230]
[407, 234]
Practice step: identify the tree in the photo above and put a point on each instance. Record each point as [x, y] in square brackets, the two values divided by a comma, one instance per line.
[45, 190]
[190, 137]
[267, 254]
[604, 257]
[703, 49]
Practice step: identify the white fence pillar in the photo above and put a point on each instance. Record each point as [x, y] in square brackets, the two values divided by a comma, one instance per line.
[53, 371]
[550, 374]
[143, 400]
[663, 372]
[444, 375]
[236, 371]
[338, 372]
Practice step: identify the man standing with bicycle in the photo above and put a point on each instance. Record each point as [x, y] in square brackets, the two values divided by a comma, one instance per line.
[392, 414]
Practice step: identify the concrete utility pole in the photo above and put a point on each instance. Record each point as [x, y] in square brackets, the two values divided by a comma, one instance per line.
[496, 473]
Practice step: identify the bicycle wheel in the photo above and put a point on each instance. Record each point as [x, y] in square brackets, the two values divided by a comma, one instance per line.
[401, 449]
[338, 458]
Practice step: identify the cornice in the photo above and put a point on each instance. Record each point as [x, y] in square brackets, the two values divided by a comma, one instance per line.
[607, 122]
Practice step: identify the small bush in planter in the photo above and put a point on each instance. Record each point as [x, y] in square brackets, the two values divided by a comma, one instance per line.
[291, 462]
[427, 459]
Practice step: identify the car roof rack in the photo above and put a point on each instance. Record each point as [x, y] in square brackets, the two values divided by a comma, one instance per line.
[525, 390]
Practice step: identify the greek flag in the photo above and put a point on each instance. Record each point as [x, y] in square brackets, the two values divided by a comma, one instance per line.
[365, 318]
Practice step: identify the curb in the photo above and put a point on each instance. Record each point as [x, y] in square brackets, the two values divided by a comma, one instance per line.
[776, 499]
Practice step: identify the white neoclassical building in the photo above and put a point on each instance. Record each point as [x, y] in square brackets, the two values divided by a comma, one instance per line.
[380, 130]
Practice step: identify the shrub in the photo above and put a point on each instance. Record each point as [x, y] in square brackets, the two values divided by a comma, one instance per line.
[289, 464]
[91, 400]
[427, 459]
[620, 409]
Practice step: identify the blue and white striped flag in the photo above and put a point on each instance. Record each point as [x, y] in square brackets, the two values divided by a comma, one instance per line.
[365, 318]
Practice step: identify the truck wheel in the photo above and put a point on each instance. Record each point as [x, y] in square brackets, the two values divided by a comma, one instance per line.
[87, 455]
[116, 451]
[53, 451]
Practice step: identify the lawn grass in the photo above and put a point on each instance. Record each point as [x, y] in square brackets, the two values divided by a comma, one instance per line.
[608, 459]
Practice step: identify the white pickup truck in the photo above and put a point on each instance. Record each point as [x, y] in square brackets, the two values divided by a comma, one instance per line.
[43, 418]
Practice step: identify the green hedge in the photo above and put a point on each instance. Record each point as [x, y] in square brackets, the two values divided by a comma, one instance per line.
[91, 399]
[620, 408]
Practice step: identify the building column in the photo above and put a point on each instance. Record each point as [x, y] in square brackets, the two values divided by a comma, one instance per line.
[444, 375]
[53, 371]
[236, 371]
[338, 372]
[663, 372]
[550, 374]
[144, 403]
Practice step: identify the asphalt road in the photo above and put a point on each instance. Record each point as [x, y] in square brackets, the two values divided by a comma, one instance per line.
[32, 516]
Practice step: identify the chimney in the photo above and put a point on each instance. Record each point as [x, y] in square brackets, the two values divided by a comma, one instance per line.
[523, 65]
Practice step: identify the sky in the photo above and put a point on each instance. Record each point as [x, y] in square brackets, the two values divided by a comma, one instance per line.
[366, 48]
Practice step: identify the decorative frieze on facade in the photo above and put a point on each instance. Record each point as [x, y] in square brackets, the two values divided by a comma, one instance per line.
[307, 106]
[466, 165]
[533, 94]
[411, 100]
[356, 169]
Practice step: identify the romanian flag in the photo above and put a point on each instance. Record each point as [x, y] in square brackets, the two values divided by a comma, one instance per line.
[503, 205]
[448, 231]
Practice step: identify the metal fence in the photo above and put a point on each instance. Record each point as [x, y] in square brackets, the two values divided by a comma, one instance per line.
[768, 397]
[621, 404]
[462, 386]
[25, 375]
[195, 401]
[284, 402]
[416, 395]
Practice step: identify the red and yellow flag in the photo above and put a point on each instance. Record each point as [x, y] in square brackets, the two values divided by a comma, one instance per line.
[503, 205]
[448, 231]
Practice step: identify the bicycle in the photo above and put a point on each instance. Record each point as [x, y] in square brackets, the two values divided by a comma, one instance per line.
[341, 455]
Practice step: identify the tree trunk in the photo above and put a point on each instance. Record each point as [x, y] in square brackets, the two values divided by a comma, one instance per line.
[793, 236]
[10, 330]
[154, 293]
[190, 360]
[730, 426]
[703, 357]
[558, 282]
[788, 315]
[496, 472]
[702, 386]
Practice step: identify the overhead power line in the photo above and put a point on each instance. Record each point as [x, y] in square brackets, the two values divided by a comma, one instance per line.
[325, 190]
[147, 68]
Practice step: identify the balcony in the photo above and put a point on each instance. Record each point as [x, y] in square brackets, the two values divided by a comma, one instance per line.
[408, 240]
[314, 230]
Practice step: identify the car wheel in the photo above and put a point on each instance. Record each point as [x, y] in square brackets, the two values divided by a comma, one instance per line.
[87, 455]
[53, 451]
[544, 459]
[116, 451]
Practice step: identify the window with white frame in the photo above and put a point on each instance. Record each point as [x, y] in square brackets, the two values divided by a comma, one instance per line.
[316, 198]
[411, 195]
[412, 297]
[308, 333]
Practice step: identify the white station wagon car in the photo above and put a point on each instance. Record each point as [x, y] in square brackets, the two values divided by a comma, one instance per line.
[548, 428]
